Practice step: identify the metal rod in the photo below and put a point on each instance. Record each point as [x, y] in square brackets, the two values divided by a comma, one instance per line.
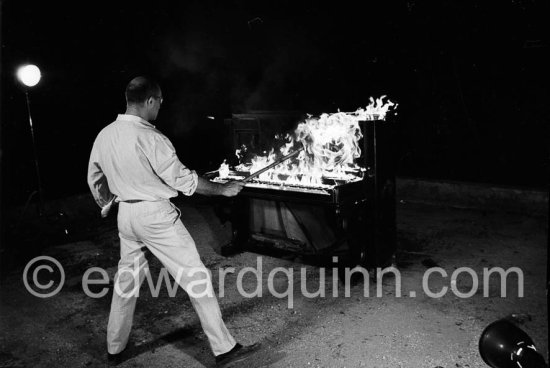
[282, 159]
[39, 181]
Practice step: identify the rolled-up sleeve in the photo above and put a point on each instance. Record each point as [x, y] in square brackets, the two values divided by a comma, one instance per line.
[168, 167]
[97, 181]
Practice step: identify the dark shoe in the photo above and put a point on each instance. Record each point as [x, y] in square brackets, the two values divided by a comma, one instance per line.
[115, 359]
[235, 355]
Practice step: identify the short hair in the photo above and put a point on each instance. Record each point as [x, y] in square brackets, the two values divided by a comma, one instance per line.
[140, 89]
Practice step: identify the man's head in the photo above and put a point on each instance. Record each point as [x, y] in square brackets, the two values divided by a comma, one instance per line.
[143, 98]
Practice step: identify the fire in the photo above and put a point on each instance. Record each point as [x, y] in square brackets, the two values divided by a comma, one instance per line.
[331, 141]
[377, 108]
[331, 146]
[224, 169]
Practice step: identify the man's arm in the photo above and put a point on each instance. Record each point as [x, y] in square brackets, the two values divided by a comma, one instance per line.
[168, 167]
[229, 189]
[97, 181]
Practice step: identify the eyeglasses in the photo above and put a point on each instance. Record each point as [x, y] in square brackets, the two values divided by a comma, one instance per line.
[159, 98]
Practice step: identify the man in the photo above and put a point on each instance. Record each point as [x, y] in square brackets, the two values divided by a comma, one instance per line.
[134, 164]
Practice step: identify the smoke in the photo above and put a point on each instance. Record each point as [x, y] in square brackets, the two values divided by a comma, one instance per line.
[189, 67]
[211, 71]
[192, 51]
[286, 60]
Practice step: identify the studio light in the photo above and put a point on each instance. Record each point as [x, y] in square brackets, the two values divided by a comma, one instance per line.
[29, 75]
[504, 345]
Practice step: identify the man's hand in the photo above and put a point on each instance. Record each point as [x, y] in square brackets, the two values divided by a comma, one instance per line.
[229, 189]
[107, 208]
[232, 188]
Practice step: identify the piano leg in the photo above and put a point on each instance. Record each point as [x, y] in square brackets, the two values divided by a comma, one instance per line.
[239, 217]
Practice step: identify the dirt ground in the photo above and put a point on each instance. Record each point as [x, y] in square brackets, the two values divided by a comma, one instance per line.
[381, 329]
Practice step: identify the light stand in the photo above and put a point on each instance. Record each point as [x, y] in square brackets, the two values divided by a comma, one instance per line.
[30, 75]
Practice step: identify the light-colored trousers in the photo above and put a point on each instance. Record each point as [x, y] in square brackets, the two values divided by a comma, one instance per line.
[156, 225]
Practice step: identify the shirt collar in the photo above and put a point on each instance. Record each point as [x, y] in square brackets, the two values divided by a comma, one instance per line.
[134, 119]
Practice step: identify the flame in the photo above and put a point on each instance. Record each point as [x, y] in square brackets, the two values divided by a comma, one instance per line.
[240, 152]
[223, 171]
[331, 140]
[377, 108]
[331, 147]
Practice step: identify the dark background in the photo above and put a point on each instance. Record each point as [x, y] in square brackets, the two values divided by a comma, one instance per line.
[470, 77]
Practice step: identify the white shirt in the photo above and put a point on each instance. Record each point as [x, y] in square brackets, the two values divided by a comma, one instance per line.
[132, 160]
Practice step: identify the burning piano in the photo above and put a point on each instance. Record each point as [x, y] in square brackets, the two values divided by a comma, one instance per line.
[327, 188]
